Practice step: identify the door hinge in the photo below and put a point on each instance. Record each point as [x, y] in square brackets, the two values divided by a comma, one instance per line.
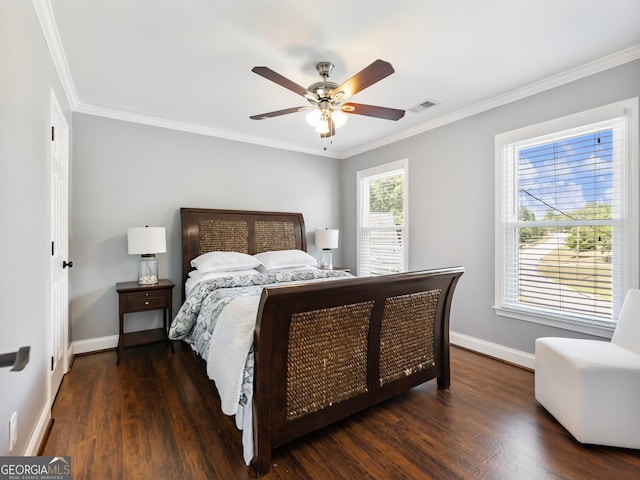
[53, 133]
[52, 364]
[53, 248]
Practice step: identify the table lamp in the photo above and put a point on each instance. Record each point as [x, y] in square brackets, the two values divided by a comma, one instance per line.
[326, 239]
[147, 241]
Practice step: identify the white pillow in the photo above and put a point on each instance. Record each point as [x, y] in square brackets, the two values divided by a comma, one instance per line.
[224, 262]
[278, 259]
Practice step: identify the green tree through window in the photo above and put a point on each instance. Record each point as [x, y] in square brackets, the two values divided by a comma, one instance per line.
[387, 195]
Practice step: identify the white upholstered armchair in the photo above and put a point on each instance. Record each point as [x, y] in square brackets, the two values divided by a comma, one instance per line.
[593, 387]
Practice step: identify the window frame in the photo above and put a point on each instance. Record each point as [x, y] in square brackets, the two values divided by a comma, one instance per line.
[630, 208]
[372, 173]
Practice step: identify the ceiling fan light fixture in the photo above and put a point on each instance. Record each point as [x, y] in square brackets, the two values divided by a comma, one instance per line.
[339, 118]
[323, 125]
[313, 117]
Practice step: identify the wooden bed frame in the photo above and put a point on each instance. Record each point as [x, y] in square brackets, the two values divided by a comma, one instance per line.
[327, 350]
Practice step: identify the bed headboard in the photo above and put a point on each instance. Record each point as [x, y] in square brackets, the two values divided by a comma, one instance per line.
[207, 230]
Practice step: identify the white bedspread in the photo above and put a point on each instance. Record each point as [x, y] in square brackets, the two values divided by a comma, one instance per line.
[231, 341]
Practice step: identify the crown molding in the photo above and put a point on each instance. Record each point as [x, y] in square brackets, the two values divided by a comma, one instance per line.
[616, 59]
[49, 28]
[194, 128]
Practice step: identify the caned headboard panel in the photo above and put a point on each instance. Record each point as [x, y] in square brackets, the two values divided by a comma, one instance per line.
[207, 230]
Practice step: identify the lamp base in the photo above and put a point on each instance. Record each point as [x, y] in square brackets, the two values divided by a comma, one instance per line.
[148, 270]
[326, 260]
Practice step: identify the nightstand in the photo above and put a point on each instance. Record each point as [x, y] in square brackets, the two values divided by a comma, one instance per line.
[342, 269]
[134, 297]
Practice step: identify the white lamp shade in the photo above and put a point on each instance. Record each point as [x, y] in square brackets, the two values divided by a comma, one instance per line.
[323, 126]
[339, 118]
[146, 240]
[313, 117]
[327, 238]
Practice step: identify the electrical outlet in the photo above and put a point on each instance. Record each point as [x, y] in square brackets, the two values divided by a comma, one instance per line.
[13, 430]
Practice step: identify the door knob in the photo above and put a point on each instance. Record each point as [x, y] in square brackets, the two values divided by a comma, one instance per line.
[66, 264]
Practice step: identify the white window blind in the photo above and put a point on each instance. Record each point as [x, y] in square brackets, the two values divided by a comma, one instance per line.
[567, 221]
[382, 222]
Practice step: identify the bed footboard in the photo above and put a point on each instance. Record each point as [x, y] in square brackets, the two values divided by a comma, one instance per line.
[330, 349]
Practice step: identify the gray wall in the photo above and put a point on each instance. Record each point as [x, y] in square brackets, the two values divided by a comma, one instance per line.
[27, 75]
[130, 175]
[451, 197]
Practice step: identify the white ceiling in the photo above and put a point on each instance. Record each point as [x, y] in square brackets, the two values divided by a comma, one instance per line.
[186, 64]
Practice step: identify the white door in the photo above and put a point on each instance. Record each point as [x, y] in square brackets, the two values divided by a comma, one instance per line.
[59, 218]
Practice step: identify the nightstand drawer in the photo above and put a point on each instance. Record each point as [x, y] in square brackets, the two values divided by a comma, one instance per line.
[145, 301]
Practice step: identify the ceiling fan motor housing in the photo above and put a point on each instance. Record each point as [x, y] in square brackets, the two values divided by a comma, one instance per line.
[324, 89]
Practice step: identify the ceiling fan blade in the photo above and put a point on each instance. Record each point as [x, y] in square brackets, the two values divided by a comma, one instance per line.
[277, 113]
[373, 111]
[275, 77]
[365, 78]
[332, 129]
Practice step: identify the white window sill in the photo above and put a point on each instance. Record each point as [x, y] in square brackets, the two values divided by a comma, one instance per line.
[572, 324]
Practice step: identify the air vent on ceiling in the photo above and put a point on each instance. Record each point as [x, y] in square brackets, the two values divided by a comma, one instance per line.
[423, 106]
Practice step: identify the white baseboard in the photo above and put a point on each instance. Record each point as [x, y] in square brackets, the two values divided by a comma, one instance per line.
[94, 344]
[501, 352]
[38, 432]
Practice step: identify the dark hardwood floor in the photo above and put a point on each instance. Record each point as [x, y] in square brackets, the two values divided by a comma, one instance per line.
[157, 416]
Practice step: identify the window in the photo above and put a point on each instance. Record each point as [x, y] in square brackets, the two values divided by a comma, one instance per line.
[382, 219]
[567, 219]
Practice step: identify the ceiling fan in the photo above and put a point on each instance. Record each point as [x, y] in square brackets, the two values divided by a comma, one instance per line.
[327, 110]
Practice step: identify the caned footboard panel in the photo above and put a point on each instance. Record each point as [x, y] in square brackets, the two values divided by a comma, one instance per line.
[327, 357]
[408, 335]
